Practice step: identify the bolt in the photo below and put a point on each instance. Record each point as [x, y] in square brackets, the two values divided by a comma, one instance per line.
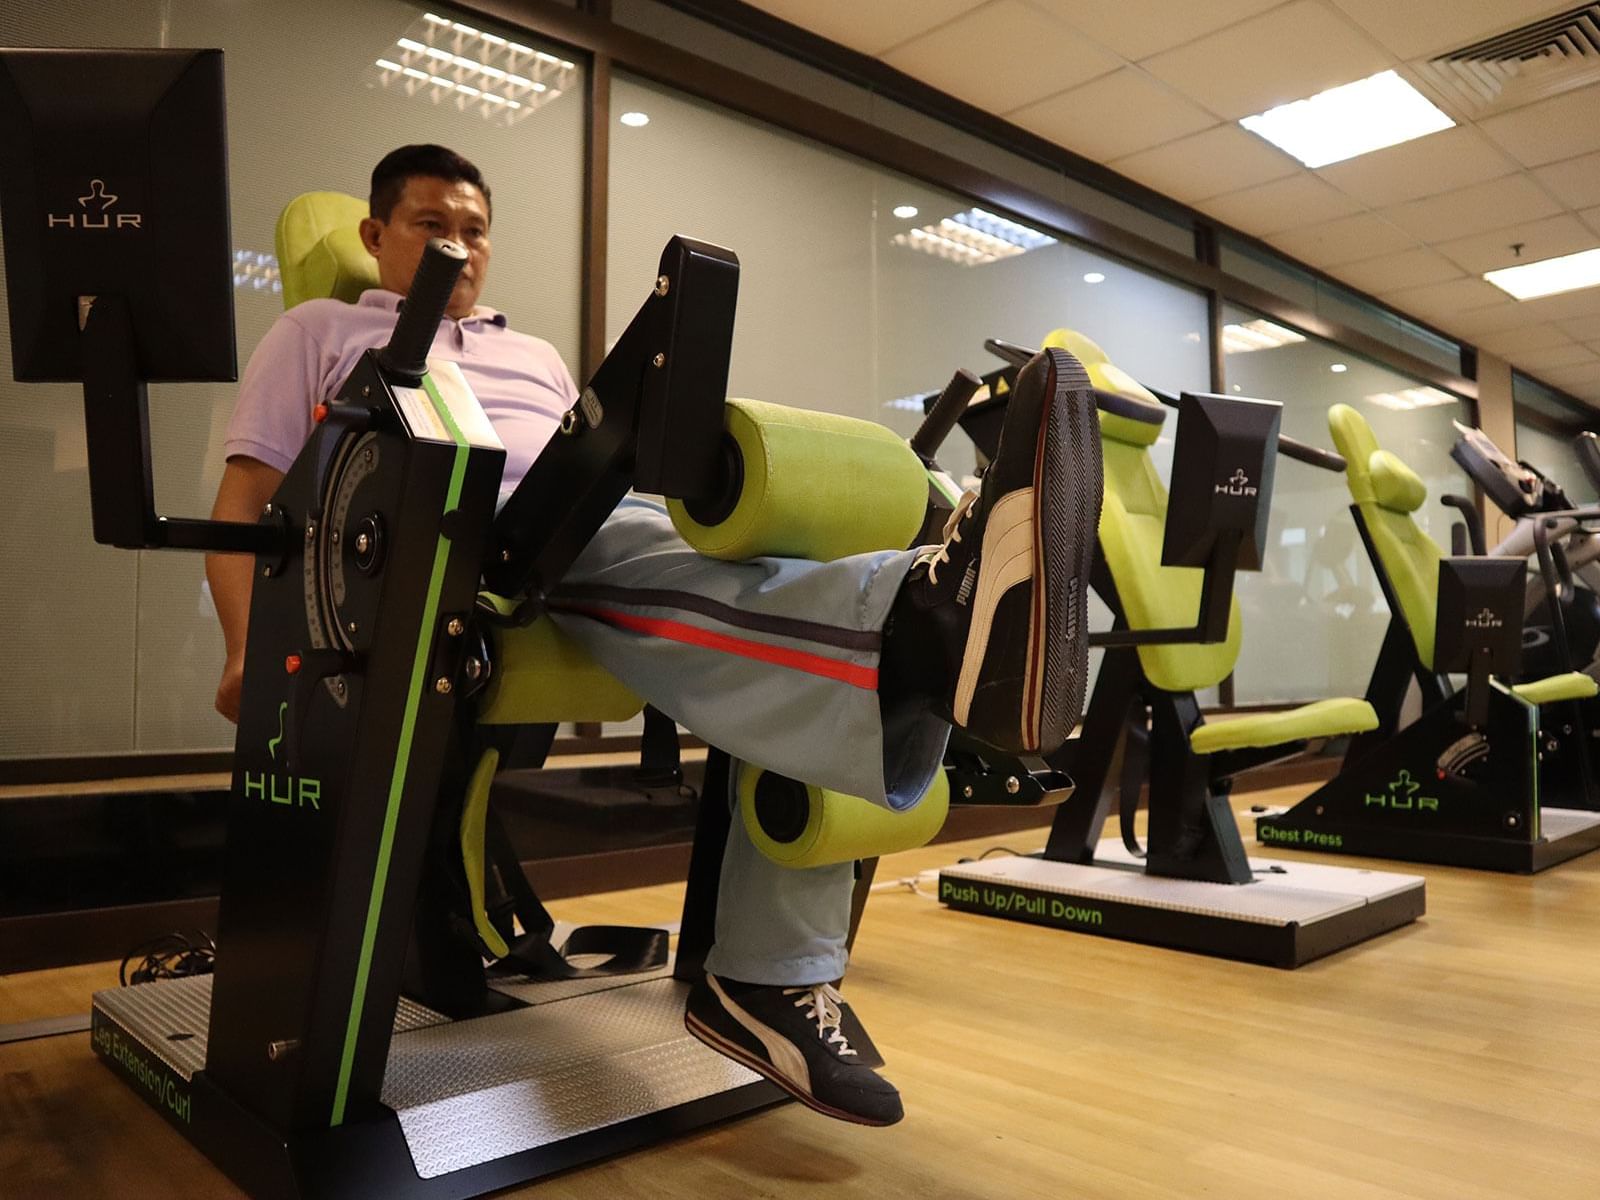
[662, 285]
[442, 686]
[282, 1049]
[311, 530]
[266, 510]
[350, 627]
[366, 455]
[267, 571]
[456, 627]
[363, 543]
[1013, 784]
[338, 687]
[966, 792]
[335, 537]
[367, 390]
[659, 360]
[505, 556]
[474, 669]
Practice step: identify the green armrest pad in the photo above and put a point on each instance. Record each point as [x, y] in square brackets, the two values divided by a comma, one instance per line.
[542, 677]
[1574, 685]
[319, 249]
[1325, 718]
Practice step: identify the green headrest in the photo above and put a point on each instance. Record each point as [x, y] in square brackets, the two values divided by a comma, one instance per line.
[1139, 421]
[319, 249]
[1354, 439]
[1394, 485]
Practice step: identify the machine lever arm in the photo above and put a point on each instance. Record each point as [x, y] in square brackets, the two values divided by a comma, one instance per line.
[944, 414]
[1474, 522]
[425, 304]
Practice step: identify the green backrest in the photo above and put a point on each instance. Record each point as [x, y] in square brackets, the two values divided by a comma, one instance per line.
[1387, 492]
[1133, 520]
[319, 249]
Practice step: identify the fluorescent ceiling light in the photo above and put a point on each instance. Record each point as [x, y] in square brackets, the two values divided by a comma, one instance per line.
[1343, 122]
[1549, 276]
[974, 237]
[905, 211]
[635, 120]
[1411, 398]
[1256, 335]
[1094, 277]
[1338, 368]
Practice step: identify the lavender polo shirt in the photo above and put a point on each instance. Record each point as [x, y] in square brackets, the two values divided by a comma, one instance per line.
[520, 381]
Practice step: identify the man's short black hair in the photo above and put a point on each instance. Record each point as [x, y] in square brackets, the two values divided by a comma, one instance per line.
[390, 175]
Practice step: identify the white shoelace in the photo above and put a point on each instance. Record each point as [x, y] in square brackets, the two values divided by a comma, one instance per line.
[824, 1000]
[952, 534]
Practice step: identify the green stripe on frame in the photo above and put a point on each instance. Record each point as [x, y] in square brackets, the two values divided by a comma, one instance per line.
[397, 782]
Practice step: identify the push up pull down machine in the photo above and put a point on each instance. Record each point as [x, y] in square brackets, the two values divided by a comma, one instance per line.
[1190, 884]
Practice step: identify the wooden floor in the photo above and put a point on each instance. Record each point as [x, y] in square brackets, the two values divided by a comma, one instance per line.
[1458, 1058]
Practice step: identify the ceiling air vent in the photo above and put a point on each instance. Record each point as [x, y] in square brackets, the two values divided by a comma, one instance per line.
[1528, 63]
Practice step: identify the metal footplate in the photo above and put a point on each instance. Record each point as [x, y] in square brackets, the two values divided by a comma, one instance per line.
[1292, 914]
[587, 1071]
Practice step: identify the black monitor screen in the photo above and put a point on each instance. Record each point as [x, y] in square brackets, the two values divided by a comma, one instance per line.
[114, 181]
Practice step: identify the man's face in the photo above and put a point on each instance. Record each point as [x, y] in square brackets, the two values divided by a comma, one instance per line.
[430, 207]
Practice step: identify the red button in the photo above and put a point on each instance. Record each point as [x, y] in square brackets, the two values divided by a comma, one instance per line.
[319, 414]
[291, 664]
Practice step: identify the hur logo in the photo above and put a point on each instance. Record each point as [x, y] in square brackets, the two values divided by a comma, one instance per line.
[1485, 620]
[96, 214]
[1238, 484]
[288, 790]
[1402, 794]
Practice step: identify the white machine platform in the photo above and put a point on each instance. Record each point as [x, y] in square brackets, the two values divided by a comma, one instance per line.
[1293, 913]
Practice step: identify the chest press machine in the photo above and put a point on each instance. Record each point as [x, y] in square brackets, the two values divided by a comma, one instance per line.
[302, 1067]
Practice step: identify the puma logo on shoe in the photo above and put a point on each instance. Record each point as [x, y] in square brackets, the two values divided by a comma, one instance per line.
[1007, 554]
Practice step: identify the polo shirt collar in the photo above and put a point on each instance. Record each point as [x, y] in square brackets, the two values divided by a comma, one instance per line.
[390, 302]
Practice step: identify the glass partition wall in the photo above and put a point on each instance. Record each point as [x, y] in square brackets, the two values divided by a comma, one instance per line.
[112, 652]
[1315, 615]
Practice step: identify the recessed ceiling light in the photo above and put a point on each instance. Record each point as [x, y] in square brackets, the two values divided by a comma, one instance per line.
[1338, 368]
[905, 211]
[1549, 276]
[1094, 277]
[635, 119]
[1355, 118]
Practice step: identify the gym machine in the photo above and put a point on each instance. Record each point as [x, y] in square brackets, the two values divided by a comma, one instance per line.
[1190, 885]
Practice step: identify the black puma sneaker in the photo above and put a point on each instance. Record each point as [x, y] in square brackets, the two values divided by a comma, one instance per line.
[792, 1036]
[999, 612]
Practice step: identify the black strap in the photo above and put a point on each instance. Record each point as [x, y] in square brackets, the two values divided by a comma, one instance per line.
[660, 758]
[629, 950]
[1135, 767]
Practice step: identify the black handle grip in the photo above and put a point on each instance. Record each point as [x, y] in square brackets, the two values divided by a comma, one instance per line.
[425, 304]
[1015, 355]
[944, 414]
[1311, 455]
[1472, 524]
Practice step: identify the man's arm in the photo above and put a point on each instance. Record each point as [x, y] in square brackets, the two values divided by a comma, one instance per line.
[247, 485]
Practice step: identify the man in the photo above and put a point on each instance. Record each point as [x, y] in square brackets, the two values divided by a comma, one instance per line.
[872, 657]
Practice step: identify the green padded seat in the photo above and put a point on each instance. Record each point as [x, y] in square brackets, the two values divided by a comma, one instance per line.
[1322, 719]
[319, 249]
[1553, 689]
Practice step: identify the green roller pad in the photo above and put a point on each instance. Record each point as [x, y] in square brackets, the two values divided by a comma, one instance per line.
[473, 815]
[319, 249]
[816, 486]
[846, 828]
[1322, 719]
[541, 677]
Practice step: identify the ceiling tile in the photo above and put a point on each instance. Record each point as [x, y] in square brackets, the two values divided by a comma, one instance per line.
[1137, 28]
[1425, 166]
[1222, 159]
[1114, 115]
[1441, 299]
[1569, 355]
[1576, 181]
[1549, 238]
[1582, 303]
[1591, 216]
[1585, 329]
[1286, 54]
[1505, 313]
[1475, 209]
[1346, 239]
[1510, 342]
[988, 56]
[1414, 28]
[1582, 375]
[870, 28]
[1301, 199]
[1561, 127]
[1390, 272]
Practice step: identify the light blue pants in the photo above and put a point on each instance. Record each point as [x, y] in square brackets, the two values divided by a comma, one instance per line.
[775, 661]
